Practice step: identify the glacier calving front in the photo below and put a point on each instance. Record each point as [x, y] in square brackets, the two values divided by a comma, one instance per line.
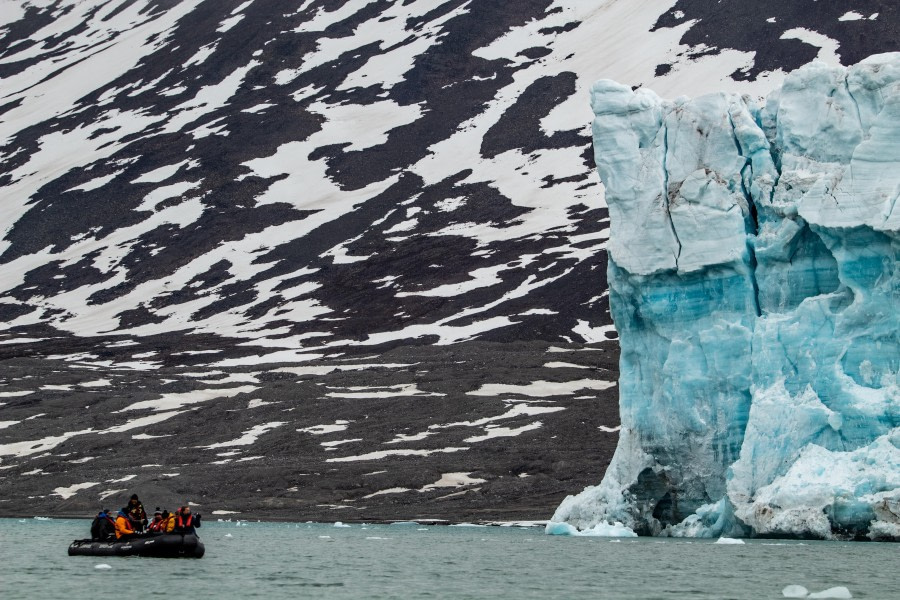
[754, 281]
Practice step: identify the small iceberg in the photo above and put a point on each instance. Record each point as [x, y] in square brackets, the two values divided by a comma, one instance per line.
[728, 540]
[617, 529]
[798, 591]
[835, 592]
[102, 566]
[339, 524]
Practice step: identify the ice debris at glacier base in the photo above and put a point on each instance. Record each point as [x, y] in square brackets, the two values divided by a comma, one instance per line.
[755, 286]
[598, 530]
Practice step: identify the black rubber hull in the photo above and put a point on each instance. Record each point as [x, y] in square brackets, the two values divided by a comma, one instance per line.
[170, 545]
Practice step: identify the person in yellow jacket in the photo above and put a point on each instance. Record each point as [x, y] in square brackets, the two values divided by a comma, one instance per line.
[124, 530]
[166, 523]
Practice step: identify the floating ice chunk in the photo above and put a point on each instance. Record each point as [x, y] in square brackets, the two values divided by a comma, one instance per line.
[102, 566]
[798, 591]
[729, 541]
[599, 530]
[835, 592]
[339, 524]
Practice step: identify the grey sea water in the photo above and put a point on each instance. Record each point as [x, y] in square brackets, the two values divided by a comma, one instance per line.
[300, 560]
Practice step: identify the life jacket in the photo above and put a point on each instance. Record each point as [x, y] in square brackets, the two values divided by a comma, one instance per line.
[156, 524]
[183, 523]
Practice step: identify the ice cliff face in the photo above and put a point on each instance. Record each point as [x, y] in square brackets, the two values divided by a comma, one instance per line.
[754, 281]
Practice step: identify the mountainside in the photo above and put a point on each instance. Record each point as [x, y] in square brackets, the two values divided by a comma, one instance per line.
[338, 254]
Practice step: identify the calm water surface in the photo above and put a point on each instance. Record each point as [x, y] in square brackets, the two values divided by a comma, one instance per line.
[299, 560]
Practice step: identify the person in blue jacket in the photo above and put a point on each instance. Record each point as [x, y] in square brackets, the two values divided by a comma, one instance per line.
[103, 528]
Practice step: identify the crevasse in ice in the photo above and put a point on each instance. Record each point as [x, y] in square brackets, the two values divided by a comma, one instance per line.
[755, 286]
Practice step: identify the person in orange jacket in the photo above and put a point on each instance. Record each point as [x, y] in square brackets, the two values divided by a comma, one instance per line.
[124, 530]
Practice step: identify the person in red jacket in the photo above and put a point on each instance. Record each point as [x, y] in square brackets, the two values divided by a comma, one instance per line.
[157, 521]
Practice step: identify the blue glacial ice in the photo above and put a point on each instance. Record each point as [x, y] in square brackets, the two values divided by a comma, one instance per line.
[755, 286]
[598, 530]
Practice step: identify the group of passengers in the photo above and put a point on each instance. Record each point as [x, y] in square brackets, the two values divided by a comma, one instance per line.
[131, 522]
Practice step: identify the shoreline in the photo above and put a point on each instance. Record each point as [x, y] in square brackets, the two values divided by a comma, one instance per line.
[275, 519]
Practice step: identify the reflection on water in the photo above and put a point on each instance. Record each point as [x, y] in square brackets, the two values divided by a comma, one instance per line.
[300, 560]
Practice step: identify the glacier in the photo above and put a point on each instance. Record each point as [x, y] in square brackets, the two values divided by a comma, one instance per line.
[754, 283]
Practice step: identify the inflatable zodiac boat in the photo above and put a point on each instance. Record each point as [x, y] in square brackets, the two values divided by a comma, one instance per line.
[168, 545]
